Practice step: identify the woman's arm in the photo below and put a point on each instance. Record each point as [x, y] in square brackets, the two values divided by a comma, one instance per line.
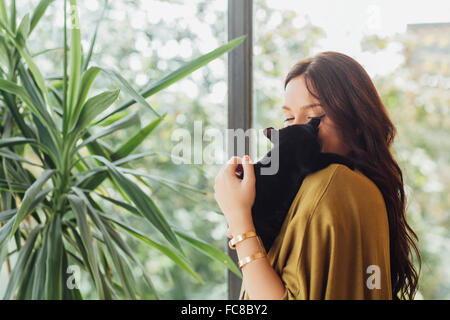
[260, 279]
[235, 197]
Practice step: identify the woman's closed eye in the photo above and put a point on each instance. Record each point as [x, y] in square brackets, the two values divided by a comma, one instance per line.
[319, 117]
[289, 119]
[307, 118]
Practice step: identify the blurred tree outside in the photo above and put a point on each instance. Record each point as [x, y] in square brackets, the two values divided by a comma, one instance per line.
[417, 96]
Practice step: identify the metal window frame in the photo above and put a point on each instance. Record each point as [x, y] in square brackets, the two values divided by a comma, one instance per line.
[240, 92]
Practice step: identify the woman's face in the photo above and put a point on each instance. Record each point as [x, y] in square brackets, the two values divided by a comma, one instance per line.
[300, 106]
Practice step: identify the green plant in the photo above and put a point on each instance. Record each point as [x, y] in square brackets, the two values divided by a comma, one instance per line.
[49, 205]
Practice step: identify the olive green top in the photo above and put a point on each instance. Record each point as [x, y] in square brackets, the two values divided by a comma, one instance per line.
[334, 242]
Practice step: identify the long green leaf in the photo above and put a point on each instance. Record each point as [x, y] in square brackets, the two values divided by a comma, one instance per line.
[26, 131]
[98, 173]
[145, 205]
[10, 214]
[68, 293]
[79, 208]
[23, 30]
[12, 10]
[46, 139]
[65, 107]
[39, 13]
[4, 20]
[126, 122]
[7, 214]
[77, 243]
[75, 59]
[5, 230]
[3, 14]
[19, 268]
[131, 144]
[36, 97]
[93, 107]
[162, 180]
[119, 263]
[13, 156]
[112, 119]
[172, 255]
[33, 55]
[38, 288]
[198, 244]
[127, 250]
[211, 252]
[86, 83]
[13, 88]
[107, 280]
[35, 71]
[8, 142]
[28, 204]
[129, 89]
[54, 274]
[29, 197]
[182, 72]
[119, 162]
[20, 46]
[17, 90]
[26, 285]
[87, 59]
[4, 54]
[3, 255]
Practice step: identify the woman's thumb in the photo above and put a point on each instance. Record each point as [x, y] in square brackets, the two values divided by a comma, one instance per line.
[249, 171]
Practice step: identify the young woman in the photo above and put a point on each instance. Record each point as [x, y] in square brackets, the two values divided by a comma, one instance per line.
[345, 235]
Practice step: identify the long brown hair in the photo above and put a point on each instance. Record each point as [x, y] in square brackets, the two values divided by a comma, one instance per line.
[350, 99]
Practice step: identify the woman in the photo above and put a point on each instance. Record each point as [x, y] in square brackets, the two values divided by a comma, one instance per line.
[345, 235]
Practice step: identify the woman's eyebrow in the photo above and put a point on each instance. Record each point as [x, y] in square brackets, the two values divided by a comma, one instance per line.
[303, 107]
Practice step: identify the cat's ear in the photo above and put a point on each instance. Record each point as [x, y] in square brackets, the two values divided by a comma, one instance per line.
[314, 122]
[268, 132]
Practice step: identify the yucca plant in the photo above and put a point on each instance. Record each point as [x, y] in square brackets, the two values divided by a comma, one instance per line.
[49, 217]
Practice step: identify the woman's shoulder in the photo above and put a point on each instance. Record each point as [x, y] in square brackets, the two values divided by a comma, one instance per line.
[340, 188]
[341, 179]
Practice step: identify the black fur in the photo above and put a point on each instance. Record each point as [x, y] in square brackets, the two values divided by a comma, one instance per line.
[299, 156]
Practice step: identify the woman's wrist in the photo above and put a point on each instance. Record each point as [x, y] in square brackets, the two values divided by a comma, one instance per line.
[242, 225]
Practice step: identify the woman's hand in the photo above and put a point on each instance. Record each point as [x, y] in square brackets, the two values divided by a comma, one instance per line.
[235, 196]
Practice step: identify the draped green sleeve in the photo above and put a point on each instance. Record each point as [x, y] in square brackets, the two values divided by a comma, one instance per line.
[334, 242]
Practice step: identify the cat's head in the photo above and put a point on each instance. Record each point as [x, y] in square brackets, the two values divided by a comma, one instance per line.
[294, 146]
[294, 132]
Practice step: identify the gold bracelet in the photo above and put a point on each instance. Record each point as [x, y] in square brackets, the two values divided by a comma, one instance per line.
[251, 258]
[241, 237]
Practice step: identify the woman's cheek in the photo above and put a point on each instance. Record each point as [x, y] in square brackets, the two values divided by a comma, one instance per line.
[325, 136]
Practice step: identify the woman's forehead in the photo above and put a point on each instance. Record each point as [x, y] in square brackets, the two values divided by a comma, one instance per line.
[297, 96]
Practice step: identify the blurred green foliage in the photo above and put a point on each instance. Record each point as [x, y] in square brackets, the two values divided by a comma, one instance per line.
[417, 97]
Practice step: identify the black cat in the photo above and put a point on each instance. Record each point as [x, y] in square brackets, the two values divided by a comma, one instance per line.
[299, 154]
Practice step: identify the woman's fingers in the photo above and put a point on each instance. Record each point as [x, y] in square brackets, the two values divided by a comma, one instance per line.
[229, 235]
[249, 171]
[232, 164]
